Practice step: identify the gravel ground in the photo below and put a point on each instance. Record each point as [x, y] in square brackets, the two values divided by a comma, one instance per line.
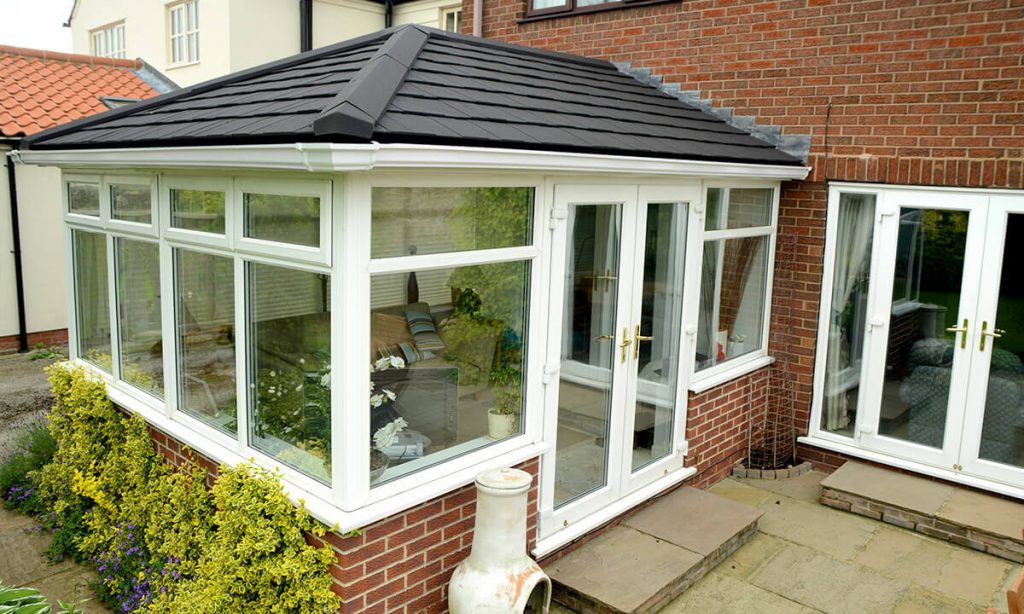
[24, 397]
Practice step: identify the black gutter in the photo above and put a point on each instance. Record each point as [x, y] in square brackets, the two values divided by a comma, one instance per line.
[305, 25]
[19, 282]
[389, 12]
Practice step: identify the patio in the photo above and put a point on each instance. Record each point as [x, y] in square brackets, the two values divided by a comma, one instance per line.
[810, 558]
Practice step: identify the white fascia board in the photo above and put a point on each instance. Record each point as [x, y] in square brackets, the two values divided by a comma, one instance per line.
[332, 157]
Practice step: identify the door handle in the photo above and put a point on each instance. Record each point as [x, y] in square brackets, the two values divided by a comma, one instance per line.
[963, 332]
[624, 343]
[995, 334]
[604, 337]
[637, 338]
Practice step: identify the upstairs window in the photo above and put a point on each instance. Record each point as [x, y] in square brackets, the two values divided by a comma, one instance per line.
[557, 7]
[183, 19]
[108, 42]
[451, 19]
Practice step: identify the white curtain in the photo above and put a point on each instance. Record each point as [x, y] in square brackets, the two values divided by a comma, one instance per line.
[853, 253]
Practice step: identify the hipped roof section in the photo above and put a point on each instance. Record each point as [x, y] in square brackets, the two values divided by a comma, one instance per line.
[418, 85]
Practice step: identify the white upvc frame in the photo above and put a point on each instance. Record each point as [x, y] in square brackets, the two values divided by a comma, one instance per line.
[82, 219]
[150, 229]
[180, 10]
[732, 368]
[201, 183]
[320, 189]
[109, 41]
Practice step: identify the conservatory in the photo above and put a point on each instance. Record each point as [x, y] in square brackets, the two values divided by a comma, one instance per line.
[385, 265]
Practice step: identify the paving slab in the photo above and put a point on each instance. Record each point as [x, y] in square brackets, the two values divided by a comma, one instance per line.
[998, 600]
[71, 586]
[821, 582]
[722, 594]
[694, 519]
[834, 533]
[751, 556]
[899, 489]
[955, 572]
[806, 487]
[20, 560]
[738, 491]
[623, 568]
[917, 600]
[980, 511]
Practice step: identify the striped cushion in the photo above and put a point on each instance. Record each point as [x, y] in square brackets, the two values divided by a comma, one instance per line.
[406, 351]
[424, 332]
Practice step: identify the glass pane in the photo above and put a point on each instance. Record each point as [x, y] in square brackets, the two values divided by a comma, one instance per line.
[661, 317]
[290, 366]
[851, 281]
[285, 219]
[919, 358]
[734, 276]
[131, 203]
[738, 208]
[589, 350]
[547, 4]
[84, 198]
[92, 301]
[446, 354]
[205, 322]
[1002, 433]
[138, 312]
[434, 220]
[198, 210]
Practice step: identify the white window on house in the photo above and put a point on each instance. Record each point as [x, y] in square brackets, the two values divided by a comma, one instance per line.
[108, 42]
[451, 19]
[449, 300]
[183, 20]
[739, 234]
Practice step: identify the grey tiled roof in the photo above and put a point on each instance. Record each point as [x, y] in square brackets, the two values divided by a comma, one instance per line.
[413, 84]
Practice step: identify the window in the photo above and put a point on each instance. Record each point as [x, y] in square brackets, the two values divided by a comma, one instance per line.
[738, 241]
[183, 19]
[108, 42]
[283, 219]
[83, 198]
[198, 210]
[138, 314]
[92, 300]
[131, 203]
[556, 7]
[447, 343]
[290, 366]
[451, 19]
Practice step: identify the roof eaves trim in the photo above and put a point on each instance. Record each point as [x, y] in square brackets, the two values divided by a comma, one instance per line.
[362, 101]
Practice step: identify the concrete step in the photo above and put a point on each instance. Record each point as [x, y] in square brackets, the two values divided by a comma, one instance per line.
[653, 556]
[959, 515]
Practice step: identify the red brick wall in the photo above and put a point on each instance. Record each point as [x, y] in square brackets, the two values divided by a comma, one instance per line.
[401, 563]
[47, 337]
[911, 91]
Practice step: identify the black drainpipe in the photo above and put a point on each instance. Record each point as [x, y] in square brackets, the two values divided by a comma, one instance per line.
[19, 283]
[305, 25]
[389, 10]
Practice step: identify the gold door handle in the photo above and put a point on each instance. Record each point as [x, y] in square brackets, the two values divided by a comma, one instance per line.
[995, 334]
[637, 338]
[604, 337]
[963, 331]
[624, 343]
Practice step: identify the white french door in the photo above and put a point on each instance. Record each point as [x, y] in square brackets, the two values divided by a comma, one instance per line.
[616, 345]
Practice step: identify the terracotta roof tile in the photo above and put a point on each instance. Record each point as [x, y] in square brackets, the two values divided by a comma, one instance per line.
[41, 89]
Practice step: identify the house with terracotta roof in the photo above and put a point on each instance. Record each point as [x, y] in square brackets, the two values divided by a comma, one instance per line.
[39, 90]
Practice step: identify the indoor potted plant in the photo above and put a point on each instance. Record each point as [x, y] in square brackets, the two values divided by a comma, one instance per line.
[507, 394]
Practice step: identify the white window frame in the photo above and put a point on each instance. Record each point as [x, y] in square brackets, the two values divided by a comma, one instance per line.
[455, 10]
[285, 251]
[109, 41]
[128, 227]
[180, 38]
[730, 369]
[81, 219]
[206, 184]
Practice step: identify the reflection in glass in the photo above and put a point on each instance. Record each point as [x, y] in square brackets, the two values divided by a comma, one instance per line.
[205, 323]
[589, 350]
[131, 203]
[661, 317]
[92, 301]
[138, 314]
[729, 208]
[283, 219]
[449, 348]
[290, 366]
[1002, 434]
[851, 280]
[435, 220]
[919, 358]
[734, 278]
[199, 210]
[84, 198]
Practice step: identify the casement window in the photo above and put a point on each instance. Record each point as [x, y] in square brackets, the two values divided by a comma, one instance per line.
[449, 303]
[451, 19]
[739, 237]
[108, 42]
[183, 26]
[558, 7]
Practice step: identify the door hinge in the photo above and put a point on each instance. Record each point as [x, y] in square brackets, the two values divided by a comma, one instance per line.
[557, 215]
[957, 467]
[550, 371]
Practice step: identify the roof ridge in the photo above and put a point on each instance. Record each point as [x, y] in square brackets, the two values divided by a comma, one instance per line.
[520, 49]
[361, 102]
[62, 56]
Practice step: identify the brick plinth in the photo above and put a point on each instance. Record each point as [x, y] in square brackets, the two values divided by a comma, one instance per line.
[59, 336]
